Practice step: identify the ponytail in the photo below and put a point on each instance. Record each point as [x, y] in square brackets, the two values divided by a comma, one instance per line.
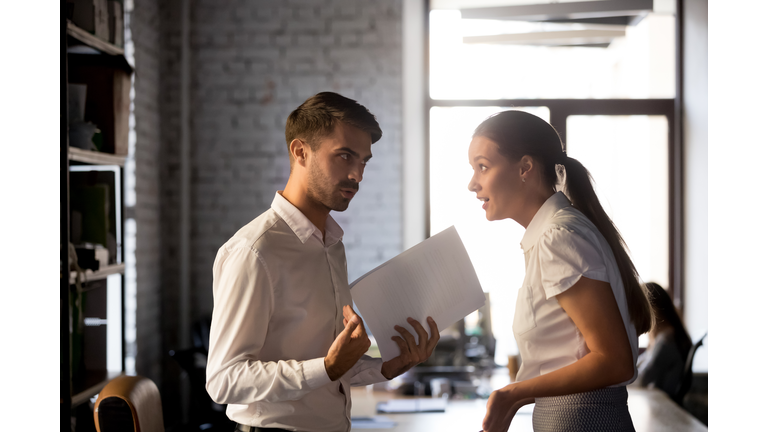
[579, 190]
[517, 134]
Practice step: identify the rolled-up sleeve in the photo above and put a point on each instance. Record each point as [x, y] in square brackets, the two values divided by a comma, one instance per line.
[243, 301]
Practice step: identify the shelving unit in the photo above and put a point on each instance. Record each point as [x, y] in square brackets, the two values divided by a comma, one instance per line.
[95, 158]
[86, 327]
[92, 41]
[90, 275]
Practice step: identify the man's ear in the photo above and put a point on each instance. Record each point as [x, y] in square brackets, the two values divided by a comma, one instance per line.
[299, 152]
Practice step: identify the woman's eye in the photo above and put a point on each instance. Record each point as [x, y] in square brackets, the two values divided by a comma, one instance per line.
[483, 168]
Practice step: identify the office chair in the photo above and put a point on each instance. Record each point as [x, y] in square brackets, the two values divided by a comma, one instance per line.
[205, 413]
[129, 404]
[685, 383]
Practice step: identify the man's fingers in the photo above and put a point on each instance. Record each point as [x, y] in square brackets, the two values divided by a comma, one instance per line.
[408, 337]
[419, 331]
[348, 312]
[350, 327]
[402, 345]
[434, 336]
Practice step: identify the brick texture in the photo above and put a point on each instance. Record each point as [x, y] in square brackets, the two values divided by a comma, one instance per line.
[145, 33]
[252, 63]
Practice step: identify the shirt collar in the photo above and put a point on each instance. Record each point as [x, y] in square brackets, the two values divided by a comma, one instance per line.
[537, 225]
[302, 226]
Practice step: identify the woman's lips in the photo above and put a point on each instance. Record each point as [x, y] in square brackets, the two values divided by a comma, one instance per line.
[485, 205]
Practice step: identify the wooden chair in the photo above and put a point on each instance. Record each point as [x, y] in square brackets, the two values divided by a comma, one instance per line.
[129, 404]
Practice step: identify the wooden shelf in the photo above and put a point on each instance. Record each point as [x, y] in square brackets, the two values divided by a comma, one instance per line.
[90, 275]
[88, 393]
[95, 158]
[92, 41]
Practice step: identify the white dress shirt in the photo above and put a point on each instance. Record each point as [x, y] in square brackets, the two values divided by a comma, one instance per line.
[561, 245]
[278, 294]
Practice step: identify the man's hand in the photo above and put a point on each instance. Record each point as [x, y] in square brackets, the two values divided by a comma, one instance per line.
[501, 408]
[348, 347]
[411, 353]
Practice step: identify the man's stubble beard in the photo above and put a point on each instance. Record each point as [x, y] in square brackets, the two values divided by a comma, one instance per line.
[324, 192]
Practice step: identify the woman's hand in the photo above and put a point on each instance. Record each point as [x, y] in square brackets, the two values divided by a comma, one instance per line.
[501, 408]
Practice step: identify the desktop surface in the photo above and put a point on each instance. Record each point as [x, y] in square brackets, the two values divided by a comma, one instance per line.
[651, 411]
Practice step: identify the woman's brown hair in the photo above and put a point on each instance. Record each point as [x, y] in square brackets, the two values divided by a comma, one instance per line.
[517, 134]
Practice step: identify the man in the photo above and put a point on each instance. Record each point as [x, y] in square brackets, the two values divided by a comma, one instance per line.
[285, 344]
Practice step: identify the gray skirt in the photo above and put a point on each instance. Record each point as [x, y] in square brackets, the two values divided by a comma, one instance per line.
[600, 410]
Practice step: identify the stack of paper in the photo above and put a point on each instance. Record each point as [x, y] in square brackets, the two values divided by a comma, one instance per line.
[434, 278]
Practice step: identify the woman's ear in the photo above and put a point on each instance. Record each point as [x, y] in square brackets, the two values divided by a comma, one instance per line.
[526, 167]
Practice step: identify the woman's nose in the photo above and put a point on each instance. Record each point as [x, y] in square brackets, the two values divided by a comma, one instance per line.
[472, 186]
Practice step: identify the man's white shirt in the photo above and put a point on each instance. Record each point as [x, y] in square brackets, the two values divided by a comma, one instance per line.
[278, 295]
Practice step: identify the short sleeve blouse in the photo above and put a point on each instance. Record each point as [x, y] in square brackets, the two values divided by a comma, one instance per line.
[561, 245]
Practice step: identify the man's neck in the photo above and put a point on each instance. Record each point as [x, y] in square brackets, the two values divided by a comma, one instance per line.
[316, 213]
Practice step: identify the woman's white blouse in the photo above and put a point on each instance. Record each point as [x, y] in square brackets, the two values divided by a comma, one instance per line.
[561, 245]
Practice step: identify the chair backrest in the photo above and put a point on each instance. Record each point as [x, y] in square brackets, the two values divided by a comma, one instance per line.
[130, 404]
[685, 384]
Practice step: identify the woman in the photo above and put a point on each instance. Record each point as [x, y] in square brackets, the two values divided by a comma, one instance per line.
[662, 364]
[581, 305]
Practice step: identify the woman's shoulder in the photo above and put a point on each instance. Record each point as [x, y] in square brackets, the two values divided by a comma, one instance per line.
[569, 222]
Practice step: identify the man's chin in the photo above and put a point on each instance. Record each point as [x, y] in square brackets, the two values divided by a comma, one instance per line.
[340, 207]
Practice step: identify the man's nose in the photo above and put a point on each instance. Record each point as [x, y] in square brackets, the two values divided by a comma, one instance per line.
[357, 173]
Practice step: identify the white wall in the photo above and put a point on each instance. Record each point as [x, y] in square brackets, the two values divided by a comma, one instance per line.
[414, 124]
[695, 145]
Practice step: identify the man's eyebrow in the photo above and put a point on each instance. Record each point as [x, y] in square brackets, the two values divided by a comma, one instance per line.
[354, 153]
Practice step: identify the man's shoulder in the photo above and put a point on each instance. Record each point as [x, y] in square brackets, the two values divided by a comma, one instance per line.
[254, 235]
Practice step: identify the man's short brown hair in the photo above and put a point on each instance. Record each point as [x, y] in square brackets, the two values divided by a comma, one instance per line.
[318, 115]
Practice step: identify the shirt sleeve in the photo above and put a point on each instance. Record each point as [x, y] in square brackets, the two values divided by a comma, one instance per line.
[243, 302]
[564, 257]
[366, 371]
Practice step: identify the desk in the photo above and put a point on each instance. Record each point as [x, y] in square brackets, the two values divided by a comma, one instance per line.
[651, 411]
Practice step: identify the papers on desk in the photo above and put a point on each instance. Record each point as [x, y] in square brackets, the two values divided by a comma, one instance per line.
[434, 278]
[376, 422]
[419, 405]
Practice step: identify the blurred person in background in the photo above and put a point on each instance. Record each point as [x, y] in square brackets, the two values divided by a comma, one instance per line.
[662, 364]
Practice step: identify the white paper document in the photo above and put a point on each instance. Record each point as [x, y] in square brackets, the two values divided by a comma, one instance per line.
[434, 278]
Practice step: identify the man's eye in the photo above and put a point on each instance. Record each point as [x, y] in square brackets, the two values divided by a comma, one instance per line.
[345, 156]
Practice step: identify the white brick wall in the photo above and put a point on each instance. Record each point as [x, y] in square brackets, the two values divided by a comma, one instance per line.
[145, 31]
